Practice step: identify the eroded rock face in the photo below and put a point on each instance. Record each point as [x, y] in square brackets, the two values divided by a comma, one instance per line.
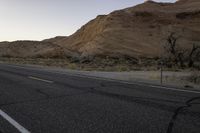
[139, 31]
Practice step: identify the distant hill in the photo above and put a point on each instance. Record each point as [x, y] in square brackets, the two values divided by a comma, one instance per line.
[31, 49]
[139, 31]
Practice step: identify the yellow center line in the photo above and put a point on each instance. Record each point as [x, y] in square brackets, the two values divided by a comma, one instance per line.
[39, 79]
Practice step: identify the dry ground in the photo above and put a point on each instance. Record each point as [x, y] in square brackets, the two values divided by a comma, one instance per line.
[121, 71]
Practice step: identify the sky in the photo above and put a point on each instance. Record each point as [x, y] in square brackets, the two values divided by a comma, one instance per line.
[42, 19]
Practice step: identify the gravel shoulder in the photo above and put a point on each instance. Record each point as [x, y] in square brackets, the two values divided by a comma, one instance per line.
[179, 79]
[174, 79]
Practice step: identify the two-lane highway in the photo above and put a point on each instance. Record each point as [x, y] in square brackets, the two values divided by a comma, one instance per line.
[38, 100]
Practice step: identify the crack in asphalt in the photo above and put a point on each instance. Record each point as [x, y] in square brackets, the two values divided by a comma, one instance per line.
[114, 95]
[188, 104]
[43, 99]
[140, 100]
[151, 102]
[11, 72]
[43, 93]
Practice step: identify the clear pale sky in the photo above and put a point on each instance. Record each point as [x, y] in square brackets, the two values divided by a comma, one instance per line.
[41, 19]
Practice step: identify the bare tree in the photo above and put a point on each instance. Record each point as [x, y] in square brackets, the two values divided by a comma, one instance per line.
[179, 56]
[193, 55]
[175, 53]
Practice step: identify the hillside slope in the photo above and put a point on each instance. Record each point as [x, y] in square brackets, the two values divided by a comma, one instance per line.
[139, 31]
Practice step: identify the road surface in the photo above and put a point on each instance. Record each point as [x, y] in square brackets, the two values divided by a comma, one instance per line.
[38, 100]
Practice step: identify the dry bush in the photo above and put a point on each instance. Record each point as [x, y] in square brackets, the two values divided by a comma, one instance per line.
[143, 14]
[177, 56]
[195, 77]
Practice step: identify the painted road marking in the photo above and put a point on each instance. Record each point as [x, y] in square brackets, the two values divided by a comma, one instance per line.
[152, 86]
[39, 79]
[118, 81]
[20, 128]
[130, 83]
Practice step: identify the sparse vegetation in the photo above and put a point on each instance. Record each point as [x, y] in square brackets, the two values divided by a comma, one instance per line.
[143, 14]
[97, 64]
[177, 56]
[195, 77]
[185, 15]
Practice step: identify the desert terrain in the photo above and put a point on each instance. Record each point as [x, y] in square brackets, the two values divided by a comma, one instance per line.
[135, 38]
[135, 32]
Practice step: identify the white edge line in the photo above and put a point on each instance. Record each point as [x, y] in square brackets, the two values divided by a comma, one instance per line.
[44, 80]
[119, 81]
[13, 122]
[140, 84]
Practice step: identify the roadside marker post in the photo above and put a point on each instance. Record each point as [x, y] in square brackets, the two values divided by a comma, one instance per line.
[161, 72]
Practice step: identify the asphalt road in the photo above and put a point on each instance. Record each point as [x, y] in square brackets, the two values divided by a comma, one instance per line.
[46, 101]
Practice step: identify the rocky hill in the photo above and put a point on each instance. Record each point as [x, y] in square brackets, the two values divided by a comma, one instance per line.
[139, 31]
[30, 49]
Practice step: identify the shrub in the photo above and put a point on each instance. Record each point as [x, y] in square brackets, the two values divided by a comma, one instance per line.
[185, 15]
[143, 14]
[6, 56]
[195, 77]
